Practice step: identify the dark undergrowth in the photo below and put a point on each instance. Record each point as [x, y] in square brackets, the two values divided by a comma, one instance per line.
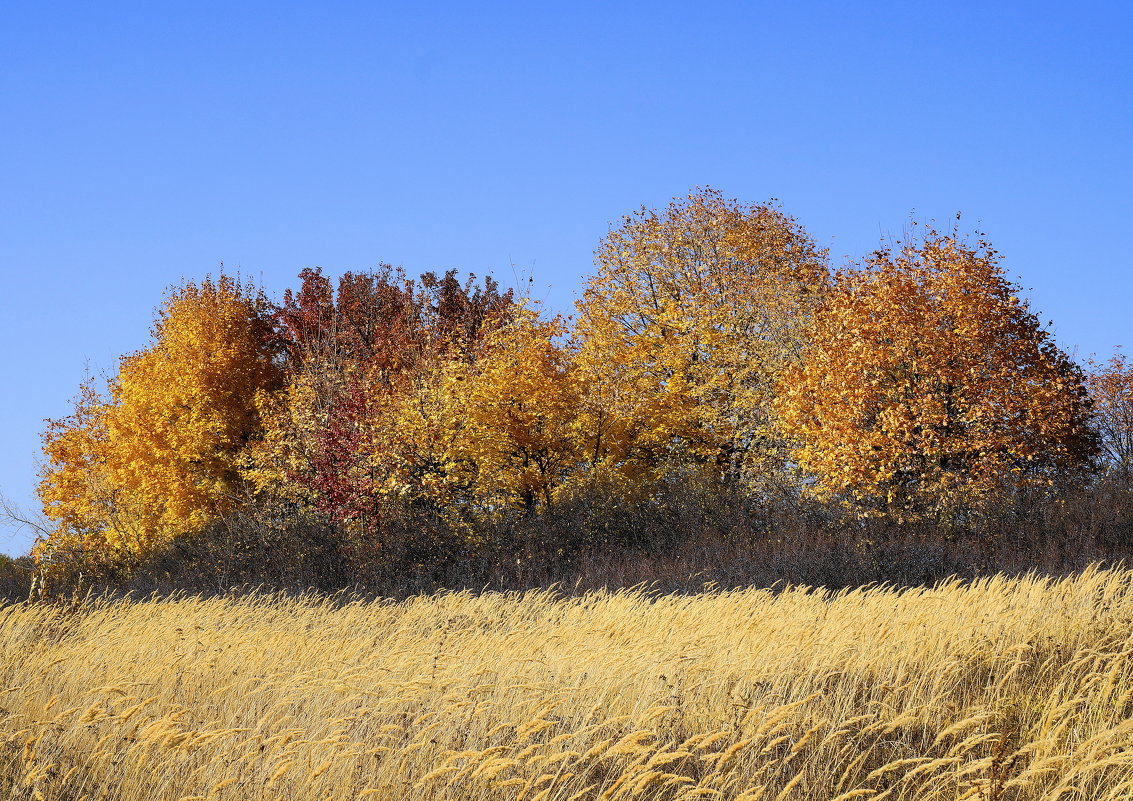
[681, 541]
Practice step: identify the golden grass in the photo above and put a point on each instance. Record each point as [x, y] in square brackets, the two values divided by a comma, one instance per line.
[996, 689]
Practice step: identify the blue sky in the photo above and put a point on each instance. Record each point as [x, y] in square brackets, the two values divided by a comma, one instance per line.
[146, 142]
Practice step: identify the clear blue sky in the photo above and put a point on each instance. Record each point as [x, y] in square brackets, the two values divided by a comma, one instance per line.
[143, 142]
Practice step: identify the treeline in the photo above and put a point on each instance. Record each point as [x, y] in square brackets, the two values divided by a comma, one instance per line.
[718, 374]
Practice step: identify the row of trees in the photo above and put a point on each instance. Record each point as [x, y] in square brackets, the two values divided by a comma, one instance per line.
[713, 343]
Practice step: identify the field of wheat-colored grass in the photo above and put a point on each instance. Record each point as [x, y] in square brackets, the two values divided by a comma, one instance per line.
[996, 689]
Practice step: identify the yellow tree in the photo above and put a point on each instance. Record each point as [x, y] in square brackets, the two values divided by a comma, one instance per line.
[168, 442]
[421, 442]
[928, 385]
[692, 313]
[521, 405]
[1111, 390]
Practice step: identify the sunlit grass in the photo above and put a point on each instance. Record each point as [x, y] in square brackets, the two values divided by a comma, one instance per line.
[996, 689]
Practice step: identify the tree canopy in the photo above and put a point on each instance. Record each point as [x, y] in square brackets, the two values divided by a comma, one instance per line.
[691, 314]
[927, 384]
[160, 456]
[712, 347]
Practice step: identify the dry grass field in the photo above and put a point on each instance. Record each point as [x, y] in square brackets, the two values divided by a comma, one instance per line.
[994, 689]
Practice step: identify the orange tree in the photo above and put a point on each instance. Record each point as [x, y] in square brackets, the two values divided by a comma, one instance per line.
[74, 486]
[160, 457]
[1111, 390]
[927, 385]
[693, 311]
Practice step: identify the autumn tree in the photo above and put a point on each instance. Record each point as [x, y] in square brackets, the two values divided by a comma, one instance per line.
[692, 313]
[425, 459]
[358, 355]
[927, 385]
[1111, 390]
[345, 349]
[160, 456]
[491, 435]
[522, 400]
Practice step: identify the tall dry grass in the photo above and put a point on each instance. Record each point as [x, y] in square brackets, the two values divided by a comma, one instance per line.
[994, 689]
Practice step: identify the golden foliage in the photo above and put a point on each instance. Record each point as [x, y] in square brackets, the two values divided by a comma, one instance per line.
[491, 430]
[159, 457]
[291, 417]
[425, 455]
[521, 406]
[995, 689]
[74, 487]
[692, 313]
[927, 383]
